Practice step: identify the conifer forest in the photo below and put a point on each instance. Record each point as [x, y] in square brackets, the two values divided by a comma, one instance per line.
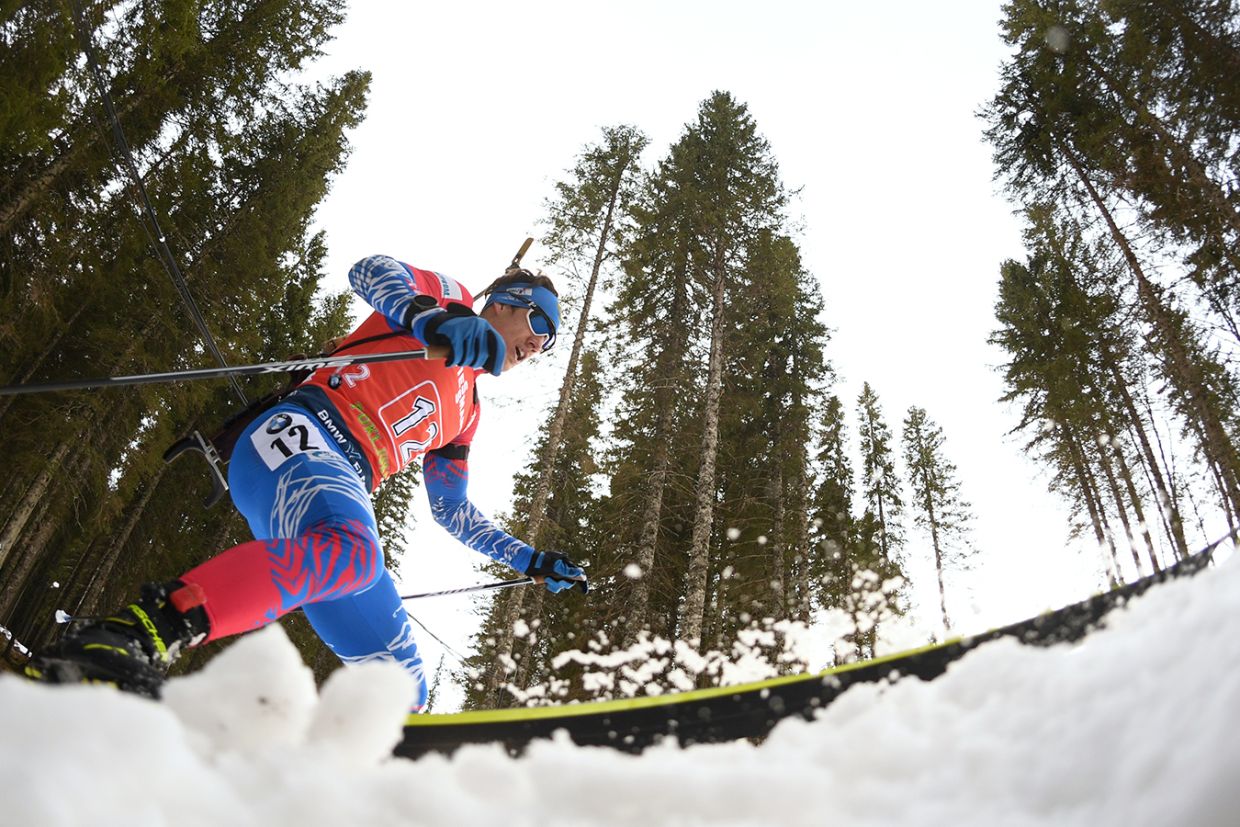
[701, 456]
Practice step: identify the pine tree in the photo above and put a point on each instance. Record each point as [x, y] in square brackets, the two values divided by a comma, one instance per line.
[654, 312]
[836, 533]
[736, 194]
[880, 486]
[1088, 120]
[568, 525]
[584, 220]
[774, 372]
[1073, 363]
[757, 560]
[937, 505]
[235, 158]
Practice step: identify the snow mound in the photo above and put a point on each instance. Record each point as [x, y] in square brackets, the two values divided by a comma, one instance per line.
[1134, 725]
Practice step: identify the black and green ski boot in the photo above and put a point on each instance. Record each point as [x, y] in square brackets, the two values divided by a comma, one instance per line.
[130, 649]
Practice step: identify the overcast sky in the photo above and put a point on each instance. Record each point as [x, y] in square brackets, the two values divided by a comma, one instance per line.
[870, 109]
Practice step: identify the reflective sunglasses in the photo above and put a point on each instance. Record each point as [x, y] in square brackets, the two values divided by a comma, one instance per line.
[540, 323]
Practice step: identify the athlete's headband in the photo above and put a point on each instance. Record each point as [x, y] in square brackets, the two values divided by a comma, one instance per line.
[543, 305]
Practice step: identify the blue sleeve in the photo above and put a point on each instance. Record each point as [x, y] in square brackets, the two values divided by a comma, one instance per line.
[387, 286]
[446, 483]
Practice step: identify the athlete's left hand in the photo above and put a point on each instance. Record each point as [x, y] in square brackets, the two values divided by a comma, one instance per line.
[557, 572]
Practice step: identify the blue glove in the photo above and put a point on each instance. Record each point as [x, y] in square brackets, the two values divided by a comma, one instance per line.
[471, 341]
[558, 572]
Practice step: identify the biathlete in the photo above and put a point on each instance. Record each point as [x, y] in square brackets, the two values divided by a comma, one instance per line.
[302, 471]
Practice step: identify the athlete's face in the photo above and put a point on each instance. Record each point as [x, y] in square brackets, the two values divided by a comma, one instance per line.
[513, 324]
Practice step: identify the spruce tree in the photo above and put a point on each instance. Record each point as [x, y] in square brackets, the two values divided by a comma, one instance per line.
[835, 529]
[875, 587]
[734, 189]
[880, 486]
[1073, 363]
[584, 222]
[1091, 121]
[569, 524]
[235, 157]
[937, 505]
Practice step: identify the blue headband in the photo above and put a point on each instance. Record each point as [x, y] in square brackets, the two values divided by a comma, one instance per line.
[524, 294]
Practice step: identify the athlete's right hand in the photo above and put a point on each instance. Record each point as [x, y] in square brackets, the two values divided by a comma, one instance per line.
[471, 341]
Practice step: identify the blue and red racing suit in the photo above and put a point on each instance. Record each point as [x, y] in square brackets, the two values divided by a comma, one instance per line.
[302, 474]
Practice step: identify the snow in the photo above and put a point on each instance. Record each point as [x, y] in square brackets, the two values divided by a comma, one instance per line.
[1135, 725]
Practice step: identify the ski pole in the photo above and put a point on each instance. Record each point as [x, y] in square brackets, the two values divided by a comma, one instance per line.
[63, 617]
[218, 373]
[483, 587]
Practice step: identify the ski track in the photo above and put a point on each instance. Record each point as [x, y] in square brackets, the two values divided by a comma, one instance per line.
[1135, 725]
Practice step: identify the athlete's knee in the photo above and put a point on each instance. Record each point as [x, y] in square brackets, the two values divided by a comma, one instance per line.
[352, 550]
[367, 552]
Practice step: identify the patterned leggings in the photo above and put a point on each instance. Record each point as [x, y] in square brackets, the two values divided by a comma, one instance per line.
[316, 548]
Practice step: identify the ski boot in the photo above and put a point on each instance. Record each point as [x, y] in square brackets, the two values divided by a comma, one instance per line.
[130, 649]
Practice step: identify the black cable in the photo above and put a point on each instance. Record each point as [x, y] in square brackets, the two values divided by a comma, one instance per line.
[163, 252]
[449, 649]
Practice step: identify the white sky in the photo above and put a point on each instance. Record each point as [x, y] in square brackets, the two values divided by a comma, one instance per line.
[476, 109]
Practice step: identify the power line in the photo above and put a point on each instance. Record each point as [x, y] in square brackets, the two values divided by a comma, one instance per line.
[448, 648]
[159, 240]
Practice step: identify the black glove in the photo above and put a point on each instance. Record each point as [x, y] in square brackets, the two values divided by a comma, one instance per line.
[471, 341]
[558, 572]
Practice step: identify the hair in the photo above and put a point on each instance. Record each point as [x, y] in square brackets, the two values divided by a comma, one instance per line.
[519, 277]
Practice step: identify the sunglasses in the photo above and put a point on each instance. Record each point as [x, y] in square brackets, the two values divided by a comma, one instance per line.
[540, 323]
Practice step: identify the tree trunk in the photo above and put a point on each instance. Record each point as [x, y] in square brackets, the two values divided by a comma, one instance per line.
[18, 572]
[1185, 372]
[1168, 505]
[937, 544]
[800, 539]
[526, 673]
[1169, 466]
[555, 432]
[555, 436]
[1125, 474]
[1121, 510]
[120, 537]
[652, 510]
[47, 350]
[1228, 511]
[35, 493]
[1092, 504]
[932, 520]
[699, 549]
[779, 569]
[30, 616]
[47, 476]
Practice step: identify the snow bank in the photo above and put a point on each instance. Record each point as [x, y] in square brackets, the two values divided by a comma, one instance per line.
[1134, 726]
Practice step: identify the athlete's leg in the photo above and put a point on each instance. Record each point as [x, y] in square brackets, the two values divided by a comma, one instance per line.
[315, 528]
[317, 548]
[368, 626]
[317, 542]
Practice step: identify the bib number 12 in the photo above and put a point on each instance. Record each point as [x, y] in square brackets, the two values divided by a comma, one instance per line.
[284, 436]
